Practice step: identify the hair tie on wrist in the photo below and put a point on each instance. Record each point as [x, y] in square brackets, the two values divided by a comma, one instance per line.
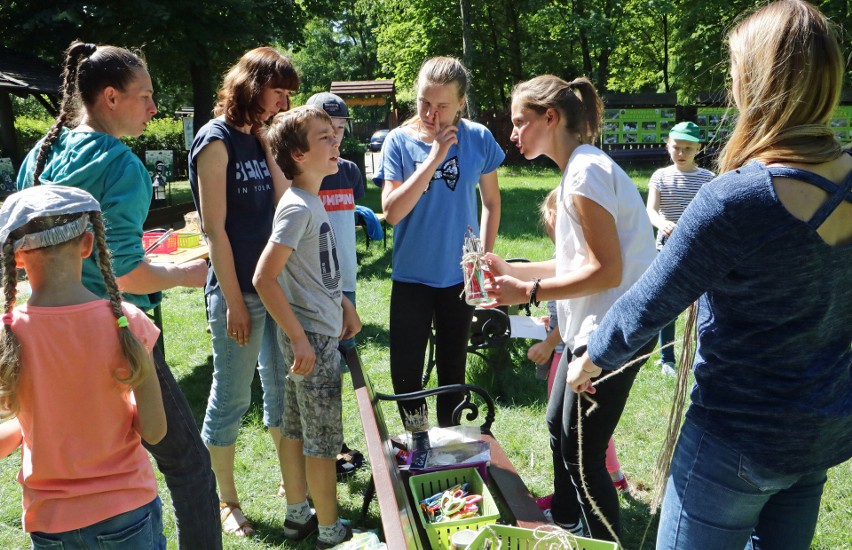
[7, 319]
[122, 322]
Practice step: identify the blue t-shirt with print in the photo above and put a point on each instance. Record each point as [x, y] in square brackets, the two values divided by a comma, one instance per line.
[428, 241]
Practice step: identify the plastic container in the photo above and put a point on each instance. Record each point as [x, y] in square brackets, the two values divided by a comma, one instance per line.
[424, 486]
[192, 221]
[518, 538]
[166, 247]
[188, 240]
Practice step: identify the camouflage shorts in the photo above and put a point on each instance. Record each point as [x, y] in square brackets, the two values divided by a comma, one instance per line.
[313, 410]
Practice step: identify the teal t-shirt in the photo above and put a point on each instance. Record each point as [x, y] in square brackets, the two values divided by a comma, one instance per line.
[105, 167]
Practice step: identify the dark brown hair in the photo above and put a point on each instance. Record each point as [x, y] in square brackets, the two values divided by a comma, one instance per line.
[239, 96]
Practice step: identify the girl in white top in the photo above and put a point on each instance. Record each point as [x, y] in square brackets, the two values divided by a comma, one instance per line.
[604, 242]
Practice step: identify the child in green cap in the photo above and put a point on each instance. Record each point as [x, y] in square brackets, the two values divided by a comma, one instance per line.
[669, 193]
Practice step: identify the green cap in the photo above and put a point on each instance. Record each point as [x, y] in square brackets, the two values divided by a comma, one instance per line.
[686, 131]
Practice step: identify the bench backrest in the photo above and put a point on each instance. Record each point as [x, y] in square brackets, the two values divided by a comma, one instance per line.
[398, 518]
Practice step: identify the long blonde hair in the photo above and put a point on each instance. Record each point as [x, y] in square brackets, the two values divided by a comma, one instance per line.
[787, 70]
[139, 361]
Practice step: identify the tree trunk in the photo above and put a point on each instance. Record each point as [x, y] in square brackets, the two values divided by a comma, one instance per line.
[467, 54]
[515, 58]
[8, 139]
[666, 52]
[201, 77]
[584, 40]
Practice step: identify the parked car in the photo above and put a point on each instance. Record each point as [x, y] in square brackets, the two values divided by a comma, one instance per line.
[378, 139]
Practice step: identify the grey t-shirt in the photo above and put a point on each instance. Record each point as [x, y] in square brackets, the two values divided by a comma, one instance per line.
[311, 277]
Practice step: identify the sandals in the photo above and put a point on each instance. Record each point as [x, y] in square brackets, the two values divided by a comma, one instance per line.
[348, 461]
[239, 526]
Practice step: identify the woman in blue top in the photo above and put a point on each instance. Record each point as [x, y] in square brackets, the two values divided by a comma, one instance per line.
[236, 184]
[107, 94]
[767, 249]
[430, 169]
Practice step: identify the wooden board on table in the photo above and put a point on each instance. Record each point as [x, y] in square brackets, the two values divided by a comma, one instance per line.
[181, 255]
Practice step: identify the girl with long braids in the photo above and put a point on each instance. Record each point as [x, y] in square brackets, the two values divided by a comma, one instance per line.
[766, 248]
[80, 403]
[107, 94]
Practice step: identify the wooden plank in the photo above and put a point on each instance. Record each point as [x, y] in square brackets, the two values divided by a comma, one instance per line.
[366, 101]
[398, 521]
[362, 87]
[181, 255]
[514, 492]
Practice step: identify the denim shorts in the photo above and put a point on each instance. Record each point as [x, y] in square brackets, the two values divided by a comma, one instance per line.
[313, 411]
[233, 371]
[139, 529]
[718, 498]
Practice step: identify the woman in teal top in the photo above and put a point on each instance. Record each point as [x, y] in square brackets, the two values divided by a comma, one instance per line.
[114, 93]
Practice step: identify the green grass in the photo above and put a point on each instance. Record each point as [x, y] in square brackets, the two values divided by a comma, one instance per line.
[519, 425]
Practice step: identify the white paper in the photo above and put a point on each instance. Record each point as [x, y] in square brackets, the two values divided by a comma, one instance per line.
[527, 327]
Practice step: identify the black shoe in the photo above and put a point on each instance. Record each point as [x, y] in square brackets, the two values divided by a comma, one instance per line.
[322, 545]
[299, 531]
[348, 461]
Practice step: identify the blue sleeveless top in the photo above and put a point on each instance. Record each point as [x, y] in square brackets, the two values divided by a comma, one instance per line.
[773, 367]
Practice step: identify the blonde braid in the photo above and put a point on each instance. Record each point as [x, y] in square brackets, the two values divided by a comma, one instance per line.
[139, 362]
[10, 348]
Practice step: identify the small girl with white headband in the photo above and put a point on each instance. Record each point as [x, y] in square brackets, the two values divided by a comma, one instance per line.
[77, 380]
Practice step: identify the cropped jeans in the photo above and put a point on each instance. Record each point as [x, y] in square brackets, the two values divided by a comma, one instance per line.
[718, 499]
[233, 371]
[139, 529]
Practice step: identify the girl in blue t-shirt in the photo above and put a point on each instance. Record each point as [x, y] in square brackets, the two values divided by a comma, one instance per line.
[431, 167]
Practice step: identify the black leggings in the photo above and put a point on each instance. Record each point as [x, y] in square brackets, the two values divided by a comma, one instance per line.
[569, 499]
[413, 306]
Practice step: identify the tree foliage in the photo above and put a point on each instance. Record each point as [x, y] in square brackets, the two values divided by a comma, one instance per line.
[622, 45]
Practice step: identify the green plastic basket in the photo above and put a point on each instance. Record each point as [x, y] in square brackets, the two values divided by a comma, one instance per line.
[517, 538]
[424, 486]
[189, 240]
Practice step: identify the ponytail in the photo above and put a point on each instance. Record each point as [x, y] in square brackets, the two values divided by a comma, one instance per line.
[577, 102]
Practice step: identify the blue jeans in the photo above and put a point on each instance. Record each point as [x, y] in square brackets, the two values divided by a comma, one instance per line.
[233, 371]
[184, 462]
[139, 529]
[718, 499]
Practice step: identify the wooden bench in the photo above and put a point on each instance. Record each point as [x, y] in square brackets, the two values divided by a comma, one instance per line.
[396, 508]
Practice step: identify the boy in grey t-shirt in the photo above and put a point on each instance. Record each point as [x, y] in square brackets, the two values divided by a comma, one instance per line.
[298, 279]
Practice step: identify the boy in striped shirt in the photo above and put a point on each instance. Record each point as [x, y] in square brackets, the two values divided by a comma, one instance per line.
[670, 191]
